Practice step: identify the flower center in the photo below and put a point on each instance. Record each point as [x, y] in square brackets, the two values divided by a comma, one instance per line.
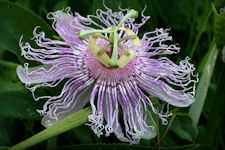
[112, 60]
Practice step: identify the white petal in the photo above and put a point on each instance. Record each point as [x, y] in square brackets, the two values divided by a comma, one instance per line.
[81, 102]
[43, 73]
[168, 94]
[27, 78]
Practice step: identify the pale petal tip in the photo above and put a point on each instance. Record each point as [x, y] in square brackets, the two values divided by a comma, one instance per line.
[48, 122]
[21, 74]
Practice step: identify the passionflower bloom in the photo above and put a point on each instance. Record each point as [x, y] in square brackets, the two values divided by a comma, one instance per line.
[101, 60]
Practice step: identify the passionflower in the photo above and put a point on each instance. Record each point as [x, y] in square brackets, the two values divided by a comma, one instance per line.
[102, 61]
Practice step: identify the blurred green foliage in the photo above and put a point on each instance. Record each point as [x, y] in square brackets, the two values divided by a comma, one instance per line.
[191, 25]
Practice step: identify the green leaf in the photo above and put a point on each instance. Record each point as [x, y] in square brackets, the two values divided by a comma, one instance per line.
[4, 147]
[119, 146]
[200, 32]
[151, 122]
[16, 104]
[64, 125]
[203, 62]
[16, 21]
[81, 134]
[219, 27]
[52, 143]
[203, 85]
[24, 3]
[60, 4]
[8, 77]
[185, 8]
[8, 64]
[4, 137]
[183, 127]
[8, 131]
[213, 113]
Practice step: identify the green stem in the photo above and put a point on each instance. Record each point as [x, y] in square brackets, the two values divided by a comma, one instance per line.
[8, 64]
[192, 29]
[64, 125]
